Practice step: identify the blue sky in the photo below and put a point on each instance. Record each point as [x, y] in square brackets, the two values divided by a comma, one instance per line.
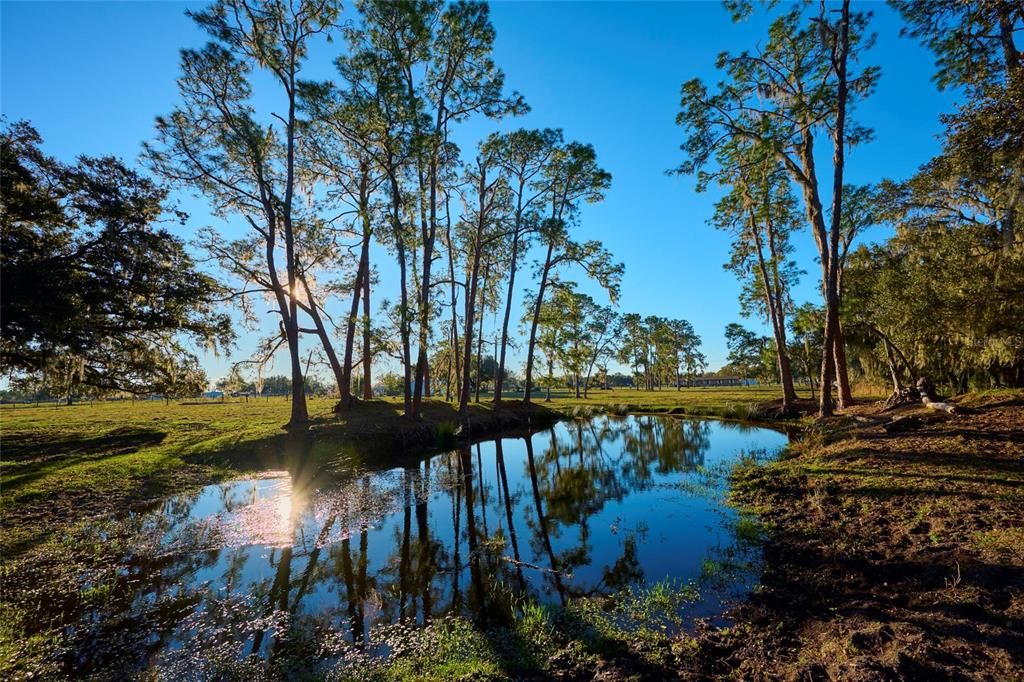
[91, 76]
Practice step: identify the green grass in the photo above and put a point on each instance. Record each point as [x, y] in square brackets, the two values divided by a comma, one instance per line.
[724, 401]
[632, 629]
[59, 464]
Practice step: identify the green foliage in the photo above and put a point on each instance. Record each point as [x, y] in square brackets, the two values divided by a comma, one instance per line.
[659, 350]
[806, 324]
[749, 354]
[391, 384]
[947, 298]
[957, 256]
[576, 334]
[96, 296]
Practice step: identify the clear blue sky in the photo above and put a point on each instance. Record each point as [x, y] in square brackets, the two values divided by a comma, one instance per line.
[91, 76]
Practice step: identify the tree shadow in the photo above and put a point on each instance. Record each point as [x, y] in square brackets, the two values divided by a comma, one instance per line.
[27, 459]
[39, 447]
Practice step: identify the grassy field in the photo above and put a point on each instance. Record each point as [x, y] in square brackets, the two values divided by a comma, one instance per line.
[60, 464]
[736, 402]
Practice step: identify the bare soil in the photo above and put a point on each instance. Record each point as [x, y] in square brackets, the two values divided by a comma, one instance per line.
[894, 551]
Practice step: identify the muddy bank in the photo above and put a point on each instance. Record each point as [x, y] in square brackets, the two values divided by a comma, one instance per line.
[895, 550]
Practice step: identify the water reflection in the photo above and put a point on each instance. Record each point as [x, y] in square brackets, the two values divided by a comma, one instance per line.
[311, 562]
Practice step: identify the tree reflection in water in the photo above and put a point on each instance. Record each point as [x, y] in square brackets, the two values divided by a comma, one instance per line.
[584, 508]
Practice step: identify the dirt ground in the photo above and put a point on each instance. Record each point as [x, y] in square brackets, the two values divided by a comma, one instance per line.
[895, 551]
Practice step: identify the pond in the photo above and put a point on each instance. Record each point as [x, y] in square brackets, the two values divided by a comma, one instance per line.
[322, 559]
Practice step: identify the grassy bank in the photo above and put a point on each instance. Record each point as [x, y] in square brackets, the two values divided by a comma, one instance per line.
[61, 464]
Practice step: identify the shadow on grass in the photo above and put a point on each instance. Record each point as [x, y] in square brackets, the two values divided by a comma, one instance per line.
[29, 459]
[39, 447]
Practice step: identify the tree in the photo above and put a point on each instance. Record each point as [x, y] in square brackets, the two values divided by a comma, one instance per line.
[95, 294]
[391, 384]
[340, 150]
[277, 385]
[671, 344]
[940, 302]
[550, 341]
[484, 225]
[231, 383]
[784, 97]
[524, 155]
[576, 334]
[746, 350]
[460, 79]
[603, 330]
[760, 212]
[215, 142]
[975, 44]
[573, 177]
[634, 348]
[444, 370]
[683, 349]
[806, 324]
[382, 50]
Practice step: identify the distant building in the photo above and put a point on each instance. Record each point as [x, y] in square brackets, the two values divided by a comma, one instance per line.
[697, 382]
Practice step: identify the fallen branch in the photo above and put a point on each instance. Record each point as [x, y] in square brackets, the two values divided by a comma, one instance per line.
[945, 407]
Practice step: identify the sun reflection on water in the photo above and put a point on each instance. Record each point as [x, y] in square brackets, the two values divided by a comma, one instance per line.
[269, 519]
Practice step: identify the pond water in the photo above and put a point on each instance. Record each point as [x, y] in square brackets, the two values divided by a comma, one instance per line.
[323, 558]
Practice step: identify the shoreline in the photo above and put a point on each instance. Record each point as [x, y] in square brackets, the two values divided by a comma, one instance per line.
[891, 546]
[892, 551]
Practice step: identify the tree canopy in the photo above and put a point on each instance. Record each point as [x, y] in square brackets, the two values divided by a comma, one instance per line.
[97, 293]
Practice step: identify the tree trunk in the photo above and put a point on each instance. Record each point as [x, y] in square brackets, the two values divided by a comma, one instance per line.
[531, 345]
[362, 272]
[404, 330]
[826, 406]
[367, 350]
[536, 321]
[453, 356]
[480, 337]
[312, 308]
[833, 332]
[773, 302]
[471, 291]
[897, 386]
[807, 365]
[551, 374]
[844, 392]
[500, 378]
